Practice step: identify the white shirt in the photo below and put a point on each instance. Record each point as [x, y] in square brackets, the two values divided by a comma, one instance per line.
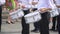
[43, 4]
[30, 1]
[26, 3]
[2, 2]
[52, 4]
[57, 2]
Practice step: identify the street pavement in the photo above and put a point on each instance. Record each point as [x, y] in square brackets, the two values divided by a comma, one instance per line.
[16, 28]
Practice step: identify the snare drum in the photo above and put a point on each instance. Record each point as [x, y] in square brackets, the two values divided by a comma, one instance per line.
[17, 14]
[32, 17]
[54, 13]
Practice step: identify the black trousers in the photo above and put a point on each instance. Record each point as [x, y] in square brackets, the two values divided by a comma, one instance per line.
[44, 23]
[36, 24]
[0, 17]
[58, 22]
[25, 27]
[54, 22]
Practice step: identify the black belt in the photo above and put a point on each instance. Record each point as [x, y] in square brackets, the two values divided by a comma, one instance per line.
[34, 9]
[44, 13]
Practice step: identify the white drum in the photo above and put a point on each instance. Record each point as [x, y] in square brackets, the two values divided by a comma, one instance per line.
[17, 14]
[32, 17]
[20, 13]
[54, 13]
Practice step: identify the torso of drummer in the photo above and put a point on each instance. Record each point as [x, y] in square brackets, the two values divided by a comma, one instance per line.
[34, 4]
[44, 6]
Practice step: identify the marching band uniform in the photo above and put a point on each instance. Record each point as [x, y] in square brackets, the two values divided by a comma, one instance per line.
[34, 7]
[25, 7]
[1, 3]
[43, 7]
[54, 18]
[57, 2]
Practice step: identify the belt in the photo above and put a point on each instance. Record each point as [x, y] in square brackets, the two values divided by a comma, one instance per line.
[44, 13]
